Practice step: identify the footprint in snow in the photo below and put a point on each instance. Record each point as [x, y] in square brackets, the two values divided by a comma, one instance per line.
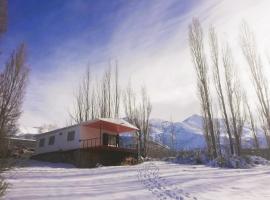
[148, 174]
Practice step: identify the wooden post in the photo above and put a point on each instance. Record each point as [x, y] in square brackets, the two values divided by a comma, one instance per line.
[117, 137]
[100, 144]
[138, 146]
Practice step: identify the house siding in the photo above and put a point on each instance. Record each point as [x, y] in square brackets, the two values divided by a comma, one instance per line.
[60, 143]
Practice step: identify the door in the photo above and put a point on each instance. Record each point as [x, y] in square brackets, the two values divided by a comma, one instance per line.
[105, 139]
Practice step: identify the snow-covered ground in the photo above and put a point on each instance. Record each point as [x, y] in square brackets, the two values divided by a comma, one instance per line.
[150, 180]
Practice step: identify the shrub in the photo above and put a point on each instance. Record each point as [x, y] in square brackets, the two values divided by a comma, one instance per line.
[129, 161]
[3, 187]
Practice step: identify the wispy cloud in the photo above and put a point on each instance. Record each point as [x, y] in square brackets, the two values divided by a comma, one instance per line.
[149, 39]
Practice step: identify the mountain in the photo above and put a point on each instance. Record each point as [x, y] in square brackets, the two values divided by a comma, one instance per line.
[188, 134]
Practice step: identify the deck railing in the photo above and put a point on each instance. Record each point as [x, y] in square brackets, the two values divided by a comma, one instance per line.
[95, 142]
[128, 146]
[92, 142]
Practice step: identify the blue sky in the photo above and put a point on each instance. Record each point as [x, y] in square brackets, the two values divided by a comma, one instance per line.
[148, 38]
[47, 25]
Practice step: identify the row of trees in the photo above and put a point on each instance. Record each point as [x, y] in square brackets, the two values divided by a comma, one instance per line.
[216, 66]
[97, 98]
[137, 112]
[13, 79]
[104, 98]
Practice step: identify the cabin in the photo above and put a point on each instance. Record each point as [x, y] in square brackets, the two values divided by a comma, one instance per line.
[21, 143]
[102, 141]
[20, 147]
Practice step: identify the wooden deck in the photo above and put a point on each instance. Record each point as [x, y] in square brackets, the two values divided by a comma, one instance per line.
[112, 148]
[91, 153]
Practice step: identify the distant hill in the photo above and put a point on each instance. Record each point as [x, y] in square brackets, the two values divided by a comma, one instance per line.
[26, 136]
[189, 133]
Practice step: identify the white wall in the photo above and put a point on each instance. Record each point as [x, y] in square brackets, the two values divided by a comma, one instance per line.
[87, 132]
[60, 142]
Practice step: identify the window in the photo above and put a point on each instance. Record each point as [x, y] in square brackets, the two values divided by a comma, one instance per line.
[41, 142]
[71, 136]
[61, 133]
[51, 140]
[110, 140]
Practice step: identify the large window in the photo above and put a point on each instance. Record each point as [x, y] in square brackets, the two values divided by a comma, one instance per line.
[41, 142]
[110, 140]
[71, 136]
[51, 140]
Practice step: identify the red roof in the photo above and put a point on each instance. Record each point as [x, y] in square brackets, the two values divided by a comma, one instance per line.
[114, 125]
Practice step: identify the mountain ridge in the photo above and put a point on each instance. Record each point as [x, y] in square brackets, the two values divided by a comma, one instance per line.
[188, 134]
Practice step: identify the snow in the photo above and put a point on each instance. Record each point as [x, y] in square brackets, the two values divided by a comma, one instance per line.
[149, 180]
[229, 161]
[194, 120]
[189, 134]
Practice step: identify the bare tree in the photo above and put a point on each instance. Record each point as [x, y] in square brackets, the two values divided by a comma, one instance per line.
[12, 88]
[145, 111]
[264, 127]
[205, 121]
[172, 134]
[163, 128]
[201, 67]
[252, 124]
[129, 102]
[93, 104]
[228, 89]
[132, 113]
[83, 99]
[109, 94]
[234, 95]
[218, 136]
[106, 91]
[253, 58]
[86, 96]
[138, 112]
[218, 83]
[240, 117]
[117, 92]
[97, 98]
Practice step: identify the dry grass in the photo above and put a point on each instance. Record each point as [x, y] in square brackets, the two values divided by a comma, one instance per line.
[3, 184]
[130, 161]
[5, 164]
[3, 187]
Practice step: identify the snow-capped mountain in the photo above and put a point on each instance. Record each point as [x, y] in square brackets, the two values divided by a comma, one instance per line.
[188, 134]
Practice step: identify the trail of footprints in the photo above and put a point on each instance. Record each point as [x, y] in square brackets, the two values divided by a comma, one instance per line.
[148, 174]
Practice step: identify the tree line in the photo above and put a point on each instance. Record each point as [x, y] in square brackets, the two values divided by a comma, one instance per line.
[104, 98]
[216, 66]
